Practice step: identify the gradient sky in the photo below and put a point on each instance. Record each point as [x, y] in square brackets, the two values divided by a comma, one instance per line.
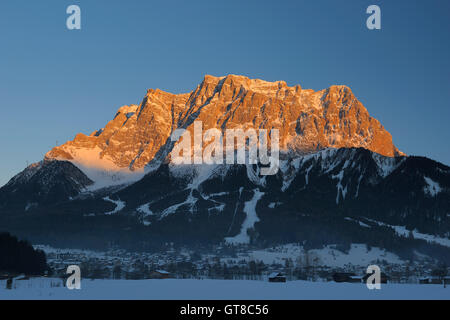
[55, 83]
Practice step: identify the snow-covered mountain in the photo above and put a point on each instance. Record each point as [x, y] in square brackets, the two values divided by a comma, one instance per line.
[43, 183]
[308, 121]
[341, 178]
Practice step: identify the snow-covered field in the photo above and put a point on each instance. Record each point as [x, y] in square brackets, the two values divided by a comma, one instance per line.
[45, 288]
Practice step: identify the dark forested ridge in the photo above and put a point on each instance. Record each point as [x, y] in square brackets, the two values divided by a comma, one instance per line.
[333, 197]
[17, 256]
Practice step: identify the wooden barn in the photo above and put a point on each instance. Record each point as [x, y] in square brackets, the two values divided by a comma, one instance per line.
[446, 281]
[346, 277]
[384, 278]
[277, 277]
[160, 274]
[436, 280]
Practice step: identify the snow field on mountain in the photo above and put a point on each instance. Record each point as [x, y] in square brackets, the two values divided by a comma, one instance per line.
[119, 205]
[249, 222]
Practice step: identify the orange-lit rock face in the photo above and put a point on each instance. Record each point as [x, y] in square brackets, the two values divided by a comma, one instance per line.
[307, 121]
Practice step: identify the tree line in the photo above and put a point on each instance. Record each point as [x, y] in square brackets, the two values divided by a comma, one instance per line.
[18, 256]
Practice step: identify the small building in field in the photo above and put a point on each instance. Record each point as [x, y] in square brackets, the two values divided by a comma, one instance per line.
[446, 281]
[383, 278]
[346, 277]
[5, 276]
[436, 280]
[276, 277]
[160, 274]
[356, 279]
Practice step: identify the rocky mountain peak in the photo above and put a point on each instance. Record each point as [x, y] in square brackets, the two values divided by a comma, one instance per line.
[307, 120]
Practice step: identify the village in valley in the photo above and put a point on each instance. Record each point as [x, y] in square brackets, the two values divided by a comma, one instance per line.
[277, 264]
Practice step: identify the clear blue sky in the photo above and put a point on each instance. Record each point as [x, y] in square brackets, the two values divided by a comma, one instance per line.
[55, 83]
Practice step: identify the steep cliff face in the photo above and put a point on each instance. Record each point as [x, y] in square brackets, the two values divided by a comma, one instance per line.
[307, 121]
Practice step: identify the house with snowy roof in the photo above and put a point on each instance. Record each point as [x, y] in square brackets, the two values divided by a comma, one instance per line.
[276, 277]
[160, 274]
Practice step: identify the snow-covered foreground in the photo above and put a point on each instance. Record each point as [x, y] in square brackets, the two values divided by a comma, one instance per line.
[41, 288]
